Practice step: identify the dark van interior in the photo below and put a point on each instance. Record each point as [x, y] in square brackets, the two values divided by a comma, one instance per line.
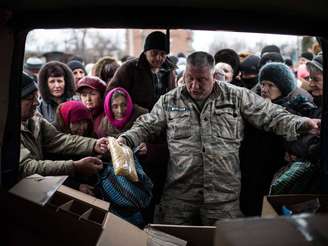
[18, 17]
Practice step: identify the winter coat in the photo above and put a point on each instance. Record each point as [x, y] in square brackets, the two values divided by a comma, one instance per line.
[204, 146]
[106, 129]
[48, 105]
[38, 136]
[144, 87]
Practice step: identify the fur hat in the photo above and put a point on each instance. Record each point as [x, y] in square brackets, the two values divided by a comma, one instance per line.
[270, 49]
[270, 57]
[28, 85]
[228, 56]
[250, 64]
[157, 41]
[279, 74]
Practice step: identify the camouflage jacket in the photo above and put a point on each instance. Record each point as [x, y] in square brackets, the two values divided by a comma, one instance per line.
[204, 146]
[37, 136]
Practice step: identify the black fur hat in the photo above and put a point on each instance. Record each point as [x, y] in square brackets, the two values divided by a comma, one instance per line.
[279, 74]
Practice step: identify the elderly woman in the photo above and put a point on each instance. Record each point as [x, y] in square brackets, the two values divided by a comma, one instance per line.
[56, 85]
[262, 153]
[120, 114]
[91, 90]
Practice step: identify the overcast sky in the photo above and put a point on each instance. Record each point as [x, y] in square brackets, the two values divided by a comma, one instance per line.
[202, 39]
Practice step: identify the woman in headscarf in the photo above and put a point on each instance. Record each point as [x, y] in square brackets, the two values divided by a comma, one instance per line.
[120, 113]
[74, 118]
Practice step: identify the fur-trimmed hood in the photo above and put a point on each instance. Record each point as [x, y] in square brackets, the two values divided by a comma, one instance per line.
[43, 81]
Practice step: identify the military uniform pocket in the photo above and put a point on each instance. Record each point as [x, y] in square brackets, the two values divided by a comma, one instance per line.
[225, 123]
[179, 126]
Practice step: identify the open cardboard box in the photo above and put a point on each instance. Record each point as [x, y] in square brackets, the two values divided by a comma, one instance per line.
[193, 235]
[298, 230]
[272, 205]
[41, 211]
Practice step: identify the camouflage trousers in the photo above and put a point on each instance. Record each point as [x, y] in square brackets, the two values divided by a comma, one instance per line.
[180, 212]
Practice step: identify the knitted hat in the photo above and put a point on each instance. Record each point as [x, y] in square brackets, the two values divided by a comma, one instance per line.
[307, 55]
[92, 82]
[270, 57]
[316, 62]
[156, 41]
[250, 64]
[75, 64]
[28, 85]
[279, 74]
[270, 49]
[228, 56]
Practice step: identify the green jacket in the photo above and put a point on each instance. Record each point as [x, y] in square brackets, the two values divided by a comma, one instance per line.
[204, 146]
[37, 136]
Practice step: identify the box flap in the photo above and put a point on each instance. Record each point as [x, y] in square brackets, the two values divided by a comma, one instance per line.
[194, 235]
[267, 209]
[159, 238]
[282, 231]
[84, 197]
[38, 189]
[118, 232]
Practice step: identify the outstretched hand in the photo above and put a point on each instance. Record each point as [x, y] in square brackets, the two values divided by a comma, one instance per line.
[312, 126]
[101, 146]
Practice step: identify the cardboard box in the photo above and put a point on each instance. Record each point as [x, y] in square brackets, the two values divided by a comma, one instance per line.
[41, 211]
[300, 230]
[194, 235]
[272, 205]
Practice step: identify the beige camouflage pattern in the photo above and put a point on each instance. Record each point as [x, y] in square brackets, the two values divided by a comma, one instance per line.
[37, 135]
[204, 146]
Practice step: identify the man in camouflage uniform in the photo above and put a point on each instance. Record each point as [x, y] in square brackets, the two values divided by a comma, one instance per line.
[204, 121]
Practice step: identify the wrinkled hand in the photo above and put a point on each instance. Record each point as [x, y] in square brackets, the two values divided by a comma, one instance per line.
[121, 141]
[88, 166]
[87, 189]
[101, 146]
[312, 126]
[142, 149]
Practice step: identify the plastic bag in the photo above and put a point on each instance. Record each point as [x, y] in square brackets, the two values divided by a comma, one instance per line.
[122, 159]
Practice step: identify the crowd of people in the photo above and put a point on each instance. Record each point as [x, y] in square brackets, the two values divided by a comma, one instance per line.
[214, 134]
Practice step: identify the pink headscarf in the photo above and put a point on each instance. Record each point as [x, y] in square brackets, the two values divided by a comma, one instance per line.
[108, 109]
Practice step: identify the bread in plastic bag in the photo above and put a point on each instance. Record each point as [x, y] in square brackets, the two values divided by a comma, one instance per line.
[122, 159]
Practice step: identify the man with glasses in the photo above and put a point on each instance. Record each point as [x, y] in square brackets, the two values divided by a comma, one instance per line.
[38, 136]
